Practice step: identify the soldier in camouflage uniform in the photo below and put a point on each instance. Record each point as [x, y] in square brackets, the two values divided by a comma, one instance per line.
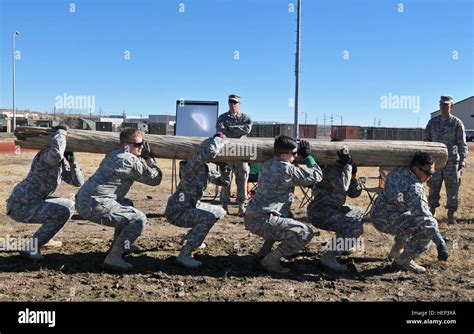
[184, 208]
[449, 130]
[235, 124]
[401, 211]
[102, 198]
[264, 216]
[31, 201]
[328, 211]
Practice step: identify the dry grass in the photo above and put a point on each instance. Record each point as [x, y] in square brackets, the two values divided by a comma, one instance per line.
[243, 280]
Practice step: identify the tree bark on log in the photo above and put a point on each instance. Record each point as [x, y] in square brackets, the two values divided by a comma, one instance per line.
[364, 153]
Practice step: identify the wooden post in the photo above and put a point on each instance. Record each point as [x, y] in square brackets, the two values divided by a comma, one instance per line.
[364, 153]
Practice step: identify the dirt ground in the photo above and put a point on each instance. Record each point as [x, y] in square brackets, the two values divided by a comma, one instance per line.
[230, 272]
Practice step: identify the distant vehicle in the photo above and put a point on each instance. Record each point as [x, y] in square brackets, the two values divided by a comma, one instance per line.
[469, 135]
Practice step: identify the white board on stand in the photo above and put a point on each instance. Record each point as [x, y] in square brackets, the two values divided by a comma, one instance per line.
[196, 118]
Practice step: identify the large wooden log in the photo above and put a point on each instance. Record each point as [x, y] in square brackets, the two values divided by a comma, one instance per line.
[364, 153]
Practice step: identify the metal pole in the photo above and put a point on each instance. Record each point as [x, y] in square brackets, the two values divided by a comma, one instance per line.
[296, 129]
[14, 77]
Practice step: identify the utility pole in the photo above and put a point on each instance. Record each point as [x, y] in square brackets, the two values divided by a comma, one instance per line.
[296, 129]
[16, 33]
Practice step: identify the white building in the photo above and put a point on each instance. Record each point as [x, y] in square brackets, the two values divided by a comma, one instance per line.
[464, 110]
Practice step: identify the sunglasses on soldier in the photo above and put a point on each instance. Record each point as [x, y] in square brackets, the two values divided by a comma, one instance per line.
[137, 145]
[426, 172]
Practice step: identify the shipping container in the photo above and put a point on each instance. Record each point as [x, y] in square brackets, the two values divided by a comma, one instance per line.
[308, 131]
[343, 132]
[374, 133]
[42, 123]
[157, 128]
[142, 126]
[264, 130]
[103, 126]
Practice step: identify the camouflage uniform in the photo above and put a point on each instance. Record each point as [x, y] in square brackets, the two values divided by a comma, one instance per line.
[264, 217]
[31, 201]
[184, 208]
[449, 131]
[400, 210]
[327, 210]
[102, 198]
[235, 126]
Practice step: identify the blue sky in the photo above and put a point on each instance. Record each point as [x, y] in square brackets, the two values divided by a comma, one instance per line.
[192, 55]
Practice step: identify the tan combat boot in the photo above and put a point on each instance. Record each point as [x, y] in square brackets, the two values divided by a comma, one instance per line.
[114, 260]
[328, 259]
[53, 244]
[396, 250]
[186, 259]
[405, 261]
[265, 249]
[271, 263]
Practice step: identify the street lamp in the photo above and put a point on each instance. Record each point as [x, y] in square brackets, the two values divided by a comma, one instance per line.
[14, 78]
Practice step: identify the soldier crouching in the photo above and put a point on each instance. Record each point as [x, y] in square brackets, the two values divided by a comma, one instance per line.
[184, 208]
[102, 198]
[265, 215]
[31, 201]
[329, 212]
[400, 210]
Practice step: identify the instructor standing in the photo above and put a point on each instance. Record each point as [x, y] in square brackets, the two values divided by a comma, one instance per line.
[449, 130]
[235, 124]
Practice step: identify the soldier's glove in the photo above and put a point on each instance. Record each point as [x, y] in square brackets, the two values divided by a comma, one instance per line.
[304, 148]
[443, 252]
[69, 156]
[146, 151]
[219, 134]
[223, 166]
[60, 127]
[344, 156]
[354, 171]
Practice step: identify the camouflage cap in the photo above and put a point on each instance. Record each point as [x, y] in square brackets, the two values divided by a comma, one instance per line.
[446, 99]
[234, 97]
